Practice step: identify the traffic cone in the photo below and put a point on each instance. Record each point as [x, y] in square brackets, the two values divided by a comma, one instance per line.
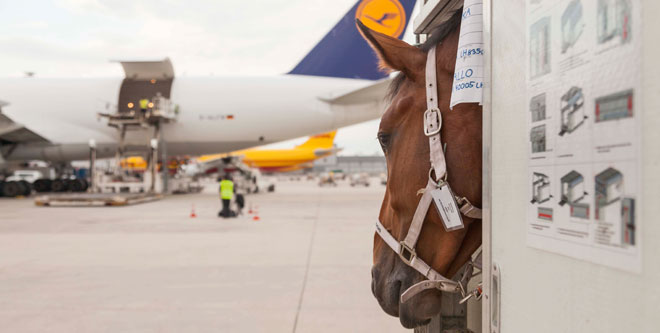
[192, 212]
[256, 214]
[250, 209]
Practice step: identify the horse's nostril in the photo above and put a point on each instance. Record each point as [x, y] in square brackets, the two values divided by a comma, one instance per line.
[396, 291]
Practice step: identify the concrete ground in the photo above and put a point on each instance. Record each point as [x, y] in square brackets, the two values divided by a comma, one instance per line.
[303, 267]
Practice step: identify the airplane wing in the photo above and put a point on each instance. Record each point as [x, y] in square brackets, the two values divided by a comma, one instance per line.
[13, 132]
[322, 152]
[296, 167]
[372, 93]
[211, 163]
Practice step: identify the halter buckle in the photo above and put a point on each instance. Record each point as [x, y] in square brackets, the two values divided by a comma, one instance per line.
[407, 254]
[435, 113]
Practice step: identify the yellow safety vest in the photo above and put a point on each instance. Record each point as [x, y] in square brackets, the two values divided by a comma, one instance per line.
[227, 189]
[144, 103]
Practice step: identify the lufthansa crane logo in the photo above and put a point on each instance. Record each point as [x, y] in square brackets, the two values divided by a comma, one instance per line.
[384, 16]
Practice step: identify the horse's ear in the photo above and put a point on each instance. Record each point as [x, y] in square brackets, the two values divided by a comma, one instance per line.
[394, 54]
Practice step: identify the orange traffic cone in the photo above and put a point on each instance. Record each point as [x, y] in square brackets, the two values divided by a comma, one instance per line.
[256, 214]
[192, 212]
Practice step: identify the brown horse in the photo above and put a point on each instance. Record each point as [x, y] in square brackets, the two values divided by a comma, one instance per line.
[407, 152]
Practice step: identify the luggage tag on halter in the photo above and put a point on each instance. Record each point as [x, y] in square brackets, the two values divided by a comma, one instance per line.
[447, 207]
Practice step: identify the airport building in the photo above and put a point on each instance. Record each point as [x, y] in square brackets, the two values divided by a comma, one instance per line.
[373, 165]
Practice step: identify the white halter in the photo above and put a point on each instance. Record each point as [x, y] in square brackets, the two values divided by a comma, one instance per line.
[406, 248]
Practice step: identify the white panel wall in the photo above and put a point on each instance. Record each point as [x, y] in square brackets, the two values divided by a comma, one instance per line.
[543, 291]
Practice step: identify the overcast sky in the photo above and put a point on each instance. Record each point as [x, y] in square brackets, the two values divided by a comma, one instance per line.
[77, 38]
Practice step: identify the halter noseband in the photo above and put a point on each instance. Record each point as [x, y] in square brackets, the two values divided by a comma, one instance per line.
[406, 248]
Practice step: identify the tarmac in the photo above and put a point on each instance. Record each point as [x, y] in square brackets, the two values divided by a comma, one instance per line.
[304, 266]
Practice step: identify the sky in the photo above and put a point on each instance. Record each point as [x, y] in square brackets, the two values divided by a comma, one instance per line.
[78, 38]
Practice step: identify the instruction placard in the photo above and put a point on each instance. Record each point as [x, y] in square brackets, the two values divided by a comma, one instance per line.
[584, 129]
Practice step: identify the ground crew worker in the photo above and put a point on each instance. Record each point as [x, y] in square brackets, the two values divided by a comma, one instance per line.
[144, 103]
[226, 194]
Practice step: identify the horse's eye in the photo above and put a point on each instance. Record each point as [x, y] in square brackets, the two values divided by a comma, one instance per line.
[384, 140]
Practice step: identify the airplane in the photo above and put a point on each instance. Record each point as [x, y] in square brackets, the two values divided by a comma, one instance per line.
[283, 160]
[267, 160]
[336, 84]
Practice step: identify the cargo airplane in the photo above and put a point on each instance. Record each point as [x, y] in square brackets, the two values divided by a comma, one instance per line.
[283, 160]
[337, 83]
[267, 160]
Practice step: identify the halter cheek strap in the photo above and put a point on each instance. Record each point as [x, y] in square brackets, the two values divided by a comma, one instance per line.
[433, 119]
[406, 248]
[432, 127]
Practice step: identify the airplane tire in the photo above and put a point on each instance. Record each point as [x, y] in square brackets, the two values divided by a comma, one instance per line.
[60, 185]
[85, 184]
[42, 185]
[12, 189]
[38, 185]
[26, 187]
[75, 185]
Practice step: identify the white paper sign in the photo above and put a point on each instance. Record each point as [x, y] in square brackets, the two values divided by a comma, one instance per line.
[584, 121]
[468, 73]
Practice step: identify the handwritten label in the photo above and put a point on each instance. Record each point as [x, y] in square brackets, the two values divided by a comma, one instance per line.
[468, 73]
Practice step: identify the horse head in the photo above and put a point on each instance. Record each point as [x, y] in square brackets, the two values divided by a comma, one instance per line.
[406, 147]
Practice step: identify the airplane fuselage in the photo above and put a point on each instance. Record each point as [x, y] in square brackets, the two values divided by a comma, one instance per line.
[216, 114]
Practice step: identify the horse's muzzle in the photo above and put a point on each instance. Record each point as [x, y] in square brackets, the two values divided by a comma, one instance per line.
[388, 285]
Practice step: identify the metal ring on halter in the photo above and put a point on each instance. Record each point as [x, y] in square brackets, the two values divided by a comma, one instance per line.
[439, 183]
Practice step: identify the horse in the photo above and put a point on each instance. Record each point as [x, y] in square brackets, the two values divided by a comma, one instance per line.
[406, 148]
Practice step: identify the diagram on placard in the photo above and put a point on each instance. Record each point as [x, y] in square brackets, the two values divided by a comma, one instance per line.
[544, 213]
[613, 205]
[539, 47]
[609, 189]
[537, 107]
[613, 20]
[572, 193]
[572, 111]
[614, 106]
[628, 221]
[572, 25]
[541, 191]
[537, 137]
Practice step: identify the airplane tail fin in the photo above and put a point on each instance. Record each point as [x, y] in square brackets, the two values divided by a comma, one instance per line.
[324, 141]
[344, 53]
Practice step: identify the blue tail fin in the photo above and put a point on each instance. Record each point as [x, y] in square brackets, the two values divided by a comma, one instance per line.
[344, 53]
